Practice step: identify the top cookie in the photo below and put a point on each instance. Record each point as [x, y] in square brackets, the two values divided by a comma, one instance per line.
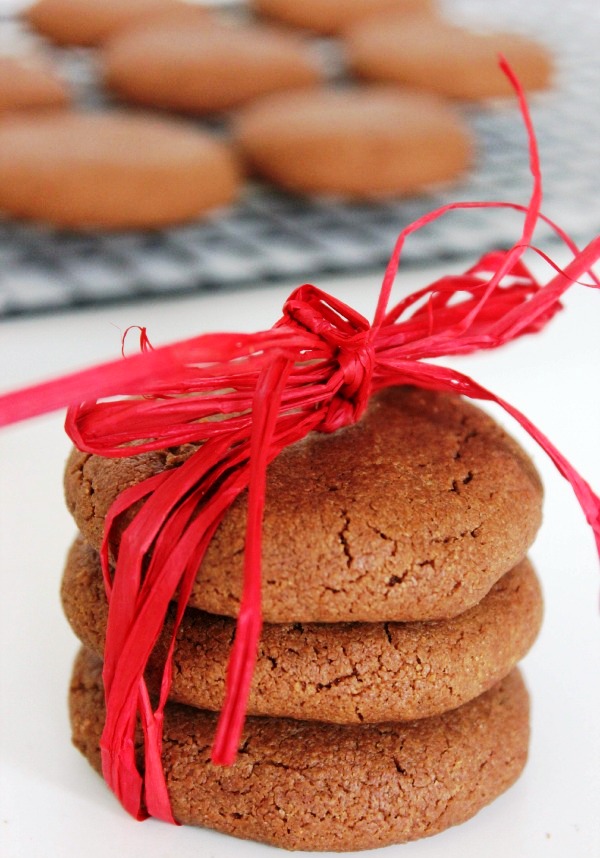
[412, 513]
[90, 22]
[330, 17]
[437, 56]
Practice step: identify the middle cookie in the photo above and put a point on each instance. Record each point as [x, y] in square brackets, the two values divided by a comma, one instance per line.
[339, 672]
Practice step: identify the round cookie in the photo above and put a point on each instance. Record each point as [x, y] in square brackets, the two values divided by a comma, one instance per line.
[90, 22]
[28, 83]
[367, 143]
[343, 673]
[330, 17]
[206, 68]
[442, 58]
[309, 786]
[412, 513]
[111, 170]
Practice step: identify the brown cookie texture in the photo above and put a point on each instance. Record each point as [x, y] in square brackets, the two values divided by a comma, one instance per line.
[445, 59]
[90, 170]
[30, 83]
[309, 786]
[206, 68]
[339, 672]
[412, 513]
[90, 22]
[330, 17]
[359, 143]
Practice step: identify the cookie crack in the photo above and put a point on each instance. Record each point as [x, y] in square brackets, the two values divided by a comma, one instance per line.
[395, 580]
[385, 537]
[343, 536]
[456, 484]
[326, 686]
[461, 443]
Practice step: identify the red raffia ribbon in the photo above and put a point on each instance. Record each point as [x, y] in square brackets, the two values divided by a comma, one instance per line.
[314, 370]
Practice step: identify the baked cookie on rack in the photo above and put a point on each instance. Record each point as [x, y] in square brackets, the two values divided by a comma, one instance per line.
[111, 170]
[331, 17]
[28, 82]
[90, 22]
[355, 143]
[440, 57]
[205, 67]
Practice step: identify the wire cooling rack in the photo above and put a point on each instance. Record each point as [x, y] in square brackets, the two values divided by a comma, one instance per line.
[269, 236]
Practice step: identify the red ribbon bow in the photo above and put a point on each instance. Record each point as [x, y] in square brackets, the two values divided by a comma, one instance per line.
[243, 398]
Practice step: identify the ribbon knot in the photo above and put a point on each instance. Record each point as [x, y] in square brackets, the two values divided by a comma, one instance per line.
[356, 363]
[348, 339]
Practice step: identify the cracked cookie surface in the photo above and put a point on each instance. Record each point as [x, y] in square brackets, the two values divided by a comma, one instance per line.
[413, 513]
[337, 672]
[301, 785]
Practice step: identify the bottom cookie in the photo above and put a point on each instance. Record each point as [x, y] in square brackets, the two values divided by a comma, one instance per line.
[302, 785]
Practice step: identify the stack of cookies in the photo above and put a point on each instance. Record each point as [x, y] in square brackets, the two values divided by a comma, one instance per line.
[397, 599]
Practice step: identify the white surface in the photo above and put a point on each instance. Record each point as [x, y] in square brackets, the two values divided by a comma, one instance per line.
[52, 804]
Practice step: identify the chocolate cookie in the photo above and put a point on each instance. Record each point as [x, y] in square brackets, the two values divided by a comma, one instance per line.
[413, 513]
[339, 672]
[206, 68]
[90, 22]
[330, 17]
[309, 786]
[29, 83]
[111, 170]
[367, 143]
[448, 60]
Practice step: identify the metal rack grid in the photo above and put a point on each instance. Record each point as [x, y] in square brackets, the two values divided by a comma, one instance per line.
[269, 236]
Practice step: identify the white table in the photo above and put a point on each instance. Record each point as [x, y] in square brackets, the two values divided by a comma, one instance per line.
[52, 804]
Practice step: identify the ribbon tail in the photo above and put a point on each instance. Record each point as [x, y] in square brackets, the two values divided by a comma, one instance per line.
[157, 799]
[441, 378]
[587, 498]
[119, 765]
[267, 401]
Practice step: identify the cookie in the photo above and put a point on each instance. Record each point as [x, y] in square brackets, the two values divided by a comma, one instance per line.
[300, 785]
[338, 672]
[111, 170]
[368, 143]
[28, 83]
[437, 56]
[412, 513]
[90, 22]
[206, 68]
[330, 17]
